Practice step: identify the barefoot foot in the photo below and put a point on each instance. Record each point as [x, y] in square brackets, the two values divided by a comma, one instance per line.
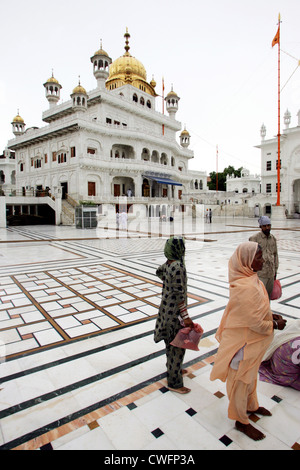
[181, 390]
[261, 411]
[250, 431]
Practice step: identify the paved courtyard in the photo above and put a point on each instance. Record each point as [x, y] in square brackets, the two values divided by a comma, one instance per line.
[79, 368]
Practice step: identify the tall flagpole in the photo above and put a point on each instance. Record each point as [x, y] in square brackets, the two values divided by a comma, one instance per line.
[217, 157]
[278, 135]
[163, 95]
[163, 103]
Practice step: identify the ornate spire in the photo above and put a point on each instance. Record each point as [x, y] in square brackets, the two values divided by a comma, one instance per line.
[127, 47]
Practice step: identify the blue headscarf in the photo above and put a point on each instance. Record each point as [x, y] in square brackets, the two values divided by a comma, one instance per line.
[264, 220]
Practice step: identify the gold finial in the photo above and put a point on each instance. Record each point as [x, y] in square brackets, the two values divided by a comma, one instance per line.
[127, 36]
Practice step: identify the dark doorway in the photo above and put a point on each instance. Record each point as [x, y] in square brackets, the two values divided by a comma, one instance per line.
[40, 214]
[64, 190]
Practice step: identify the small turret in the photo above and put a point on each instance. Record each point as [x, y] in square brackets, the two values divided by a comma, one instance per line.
[101, 62]
[185, 138]
[263, 132]
[79, 98]
[18, 125]
[172, 100]
[52, 87]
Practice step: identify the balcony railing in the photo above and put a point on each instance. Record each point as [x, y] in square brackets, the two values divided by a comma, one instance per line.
[26, 193]
[134, 200]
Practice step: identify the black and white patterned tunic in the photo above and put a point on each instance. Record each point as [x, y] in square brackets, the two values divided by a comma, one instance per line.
[174, 292]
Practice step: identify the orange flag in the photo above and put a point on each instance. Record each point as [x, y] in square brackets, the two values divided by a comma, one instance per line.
[276, 38]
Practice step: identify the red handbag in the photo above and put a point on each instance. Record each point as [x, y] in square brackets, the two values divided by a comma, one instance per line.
[188, 338]
[277, 290]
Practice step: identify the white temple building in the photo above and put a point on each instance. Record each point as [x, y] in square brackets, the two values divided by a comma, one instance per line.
[289, 171]
[7, 172]
[108, 143]
[245, 184]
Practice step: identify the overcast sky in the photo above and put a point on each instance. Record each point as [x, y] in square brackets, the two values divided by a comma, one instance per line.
[217, 55]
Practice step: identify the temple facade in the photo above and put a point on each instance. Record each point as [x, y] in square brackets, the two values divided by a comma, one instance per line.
[108, 143]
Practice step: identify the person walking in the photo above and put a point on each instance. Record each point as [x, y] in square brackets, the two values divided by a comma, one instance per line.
[244, 334]
[172, 314]
[270, 253]
[123, 220]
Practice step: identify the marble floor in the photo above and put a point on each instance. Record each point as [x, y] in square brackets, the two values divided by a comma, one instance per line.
[79, 369]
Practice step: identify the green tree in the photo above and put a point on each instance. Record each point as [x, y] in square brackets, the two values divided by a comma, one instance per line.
[212, 184]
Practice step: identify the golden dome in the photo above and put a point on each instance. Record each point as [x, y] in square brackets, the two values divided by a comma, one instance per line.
[185, 132]
[101, 51]
[79, 89]
[18, 119]
[153, 82]
[128, 69]
[172, 93]
[127, 65]
[52, 80]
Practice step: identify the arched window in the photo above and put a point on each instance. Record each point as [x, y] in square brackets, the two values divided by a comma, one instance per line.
[135, 98]
[145, 154]
[149, 104]
[142, 101]
[163, 159]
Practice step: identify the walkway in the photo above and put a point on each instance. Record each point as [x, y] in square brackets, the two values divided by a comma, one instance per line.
[80, 369]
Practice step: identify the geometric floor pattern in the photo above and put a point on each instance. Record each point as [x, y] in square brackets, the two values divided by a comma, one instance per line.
[78, 365]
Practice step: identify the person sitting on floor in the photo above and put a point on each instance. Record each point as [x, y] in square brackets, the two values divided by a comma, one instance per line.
[281, 362]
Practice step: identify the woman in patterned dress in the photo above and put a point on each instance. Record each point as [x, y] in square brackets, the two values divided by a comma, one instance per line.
[172, 314]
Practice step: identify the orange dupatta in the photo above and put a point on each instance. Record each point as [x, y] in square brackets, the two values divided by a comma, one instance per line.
[247, 319]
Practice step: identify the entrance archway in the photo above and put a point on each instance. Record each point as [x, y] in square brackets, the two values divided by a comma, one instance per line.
[297, 196]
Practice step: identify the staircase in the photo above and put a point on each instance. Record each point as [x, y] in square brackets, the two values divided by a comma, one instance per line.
[68, 211]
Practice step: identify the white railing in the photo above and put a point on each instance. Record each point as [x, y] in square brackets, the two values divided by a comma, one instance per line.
[134, 200]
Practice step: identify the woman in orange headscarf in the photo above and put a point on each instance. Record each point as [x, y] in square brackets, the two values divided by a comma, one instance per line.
[244, 334]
